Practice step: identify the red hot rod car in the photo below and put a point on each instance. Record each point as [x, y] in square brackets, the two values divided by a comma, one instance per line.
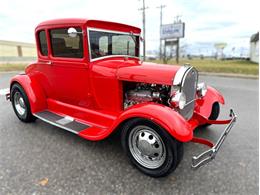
[89, 80]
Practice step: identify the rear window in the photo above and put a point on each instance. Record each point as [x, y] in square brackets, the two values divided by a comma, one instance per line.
[65, 46]
[43, 43]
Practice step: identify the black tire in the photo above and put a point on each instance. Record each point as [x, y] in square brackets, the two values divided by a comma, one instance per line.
[173, 153]
[214, 112]
[180, 152]
[27, 115]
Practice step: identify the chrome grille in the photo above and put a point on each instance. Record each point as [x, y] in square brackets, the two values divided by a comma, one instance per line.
[189, 86]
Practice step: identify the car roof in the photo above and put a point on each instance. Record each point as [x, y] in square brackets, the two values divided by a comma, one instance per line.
[90, 23]
[63, 21]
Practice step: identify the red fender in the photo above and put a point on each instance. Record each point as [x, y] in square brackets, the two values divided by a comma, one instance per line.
[162, 115]
[33, 90]
[215, 95]
[204, 105]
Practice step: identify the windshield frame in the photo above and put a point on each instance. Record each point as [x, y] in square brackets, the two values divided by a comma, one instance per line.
[116, 32]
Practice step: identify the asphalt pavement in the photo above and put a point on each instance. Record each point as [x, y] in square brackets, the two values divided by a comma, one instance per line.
[38, 158]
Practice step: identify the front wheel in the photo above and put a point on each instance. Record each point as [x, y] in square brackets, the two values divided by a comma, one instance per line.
[150, 148]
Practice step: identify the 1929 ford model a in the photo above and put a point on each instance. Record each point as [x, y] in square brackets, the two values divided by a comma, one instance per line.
[89, 80]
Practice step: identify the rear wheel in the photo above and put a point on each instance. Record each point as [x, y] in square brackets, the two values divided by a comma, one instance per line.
[21, 104]
[150, 148]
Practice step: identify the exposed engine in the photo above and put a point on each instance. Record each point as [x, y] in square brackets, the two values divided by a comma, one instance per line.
[136, 93]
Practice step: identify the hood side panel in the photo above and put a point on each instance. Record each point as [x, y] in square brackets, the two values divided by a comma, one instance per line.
[148, 73]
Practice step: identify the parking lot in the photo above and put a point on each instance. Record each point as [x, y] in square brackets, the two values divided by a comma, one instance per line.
[36, 152]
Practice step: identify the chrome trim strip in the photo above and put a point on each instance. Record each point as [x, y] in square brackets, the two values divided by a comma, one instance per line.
[55, 124]
[190, 102]
[109, 31]
[180, 74]
[113, 56]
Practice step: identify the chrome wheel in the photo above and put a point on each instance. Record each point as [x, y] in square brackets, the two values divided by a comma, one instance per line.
[147, 147]
[19, 103]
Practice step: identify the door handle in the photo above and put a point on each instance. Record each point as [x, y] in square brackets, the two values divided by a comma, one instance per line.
[46, 62]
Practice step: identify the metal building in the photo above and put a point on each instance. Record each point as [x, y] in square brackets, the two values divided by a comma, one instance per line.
[254, 48]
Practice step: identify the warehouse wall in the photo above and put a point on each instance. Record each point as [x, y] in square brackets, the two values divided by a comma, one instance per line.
[11, 51]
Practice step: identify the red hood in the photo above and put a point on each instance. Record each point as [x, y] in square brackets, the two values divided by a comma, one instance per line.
[147, 72]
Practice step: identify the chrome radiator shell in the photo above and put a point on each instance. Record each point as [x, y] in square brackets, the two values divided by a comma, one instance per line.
[186, 80]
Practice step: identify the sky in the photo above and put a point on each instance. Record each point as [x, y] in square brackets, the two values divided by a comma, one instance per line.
[206, 21]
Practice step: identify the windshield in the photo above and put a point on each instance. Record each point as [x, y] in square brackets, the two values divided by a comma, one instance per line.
[104, 44]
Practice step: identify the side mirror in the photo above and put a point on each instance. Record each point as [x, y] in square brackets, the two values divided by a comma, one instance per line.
[72, 32]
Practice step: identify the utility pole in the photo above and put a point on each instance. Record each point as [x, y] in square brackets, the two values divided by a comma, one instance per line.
[161, 13]
[177, 51]
[177, 20]
[144, 40]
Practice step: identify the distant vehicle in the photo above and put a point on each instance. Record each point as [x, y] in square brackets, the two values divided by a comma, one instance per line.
[89, 80]
[151, 57]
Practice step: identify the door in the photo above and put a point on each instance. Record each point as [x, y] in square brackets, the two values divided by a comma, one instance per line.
[66, 75]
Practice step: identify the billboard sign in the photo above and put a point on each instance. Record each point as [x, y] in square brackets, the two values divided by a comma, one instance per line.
[171, 31]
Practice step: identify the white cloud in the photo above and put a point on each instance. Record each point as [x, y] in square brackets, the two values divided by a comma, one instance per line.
[206, 20]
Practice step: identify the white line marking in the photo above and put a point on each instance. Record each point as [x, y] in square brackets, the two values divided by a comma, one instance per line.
[4, 91]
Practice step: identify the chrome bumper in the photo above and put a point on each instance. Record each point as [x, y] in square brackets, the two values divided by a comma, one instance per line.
[7, 96]
[209, 155]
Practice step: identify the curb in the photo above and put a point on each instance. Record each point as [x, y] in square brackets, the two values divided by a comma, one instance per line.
[230, 75]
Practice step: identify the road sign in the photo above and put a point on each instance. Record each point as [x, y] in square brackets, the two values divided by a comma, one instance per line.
[171, 31]
[171, 42]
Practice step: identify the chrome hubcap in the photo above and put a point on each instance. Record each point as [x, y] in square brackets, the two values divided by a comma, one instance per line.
[19, 103]
[147, 147]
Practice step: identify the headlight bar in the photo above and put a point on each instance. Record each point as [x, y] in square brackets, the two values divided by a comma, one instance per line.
[201, 89]
[209, 155]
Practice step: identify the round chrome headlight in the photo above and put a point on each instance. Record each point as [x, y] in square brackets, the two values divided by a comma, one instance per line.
[178, 100]
[201, 89]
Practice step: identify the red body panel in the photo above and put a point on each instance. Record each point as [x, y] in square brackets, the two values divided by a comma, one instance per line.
[148, 73]
[92, 92]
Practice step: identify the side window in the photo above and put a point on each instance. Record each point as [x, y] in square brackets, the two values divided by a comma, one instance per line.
[65, 46]
[43, 43]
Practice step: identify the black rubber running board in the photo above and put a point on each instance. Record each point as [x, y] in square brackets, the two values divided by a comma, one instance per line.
[68, 123]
